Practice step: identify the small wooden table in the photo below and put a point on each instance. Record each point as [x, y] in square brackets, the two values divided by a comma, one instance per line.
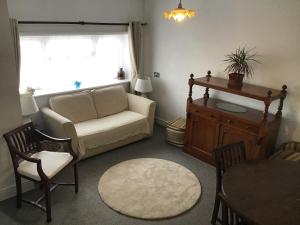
[267, 191]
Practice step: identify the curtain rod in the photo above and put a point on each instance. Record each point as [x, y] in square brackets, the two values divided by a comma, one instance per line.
[79, 23]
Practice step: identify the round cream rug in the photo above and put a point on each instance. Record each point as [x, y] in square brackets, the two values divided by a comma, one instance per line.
[149, 188]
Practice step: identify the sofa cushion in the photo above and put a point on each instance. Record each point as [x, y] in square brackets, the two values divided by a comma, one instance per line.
[76, 107]
[110, 129]
[110, 100]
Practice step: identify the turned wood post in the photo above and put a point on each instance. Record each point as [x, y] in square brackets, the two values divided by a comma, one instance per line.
[267, 104]
[191, 83]
[206, 94]
[208, 76]
[283, 95]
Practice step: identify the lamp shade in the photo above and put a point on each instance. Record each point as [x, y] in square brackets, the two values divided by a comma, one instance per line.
[143, 85]
[28, 104]
[179, 13]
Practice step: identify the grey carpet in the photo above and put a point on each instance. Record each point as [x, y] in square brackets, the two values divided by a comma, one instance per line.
[87, 208]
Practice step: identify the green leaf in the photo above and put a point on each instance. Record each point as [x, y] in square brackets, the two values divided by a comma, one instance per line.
[241, 61]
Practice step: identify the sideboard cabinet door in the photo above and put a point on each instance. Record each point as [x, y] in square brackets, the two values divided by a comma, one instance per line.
[202, 136]
[229, 135]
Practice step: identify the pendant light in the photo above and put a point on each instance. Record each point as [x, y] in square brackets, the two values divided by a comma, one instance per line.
[179, 13]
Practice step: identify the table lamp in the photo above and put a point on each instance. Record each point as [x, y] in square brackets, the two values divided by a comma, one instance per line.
[28, 105]
[143, 86]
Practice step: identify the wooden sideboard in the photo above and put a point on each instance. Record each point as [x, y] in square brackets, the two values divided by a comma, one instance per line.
[209, 127]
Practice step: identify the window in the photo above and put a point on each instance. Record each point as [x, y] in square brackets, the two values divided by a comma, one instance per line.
[55, 63]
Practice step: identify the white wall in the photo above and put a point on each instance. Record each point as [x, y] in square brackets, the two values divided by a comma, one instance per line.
[115, 11]
[77, 10]
[10, 116]
[65, 10]
[197, 45]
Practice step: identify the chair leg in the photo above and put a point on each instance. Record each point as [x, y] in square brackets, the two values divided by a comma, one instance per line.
[224, 215]
[76, 177]
[47, 186]
[216, 211]
[19, 191]
[231, 216]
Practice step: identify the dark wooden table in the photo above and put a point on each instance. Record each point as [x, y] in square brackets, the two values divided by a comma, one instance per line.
[267, 192]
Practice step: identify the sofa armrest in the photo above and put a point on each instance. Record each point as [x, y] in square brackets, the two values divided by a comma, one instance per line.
[60, 126]
[143, 106]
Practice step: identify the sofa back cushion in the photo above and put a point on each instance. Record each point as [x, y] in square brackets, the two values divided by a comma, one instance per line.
[76, 107]
[109, 101]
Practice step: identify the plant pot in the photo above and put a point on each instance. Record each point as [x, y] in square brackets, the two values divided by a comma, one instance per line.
[235, 80]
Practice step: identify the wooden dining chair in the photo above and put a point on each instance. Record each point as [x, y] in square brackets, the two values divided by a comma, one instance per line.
[225, 157]
[34, 163]
[230, 215]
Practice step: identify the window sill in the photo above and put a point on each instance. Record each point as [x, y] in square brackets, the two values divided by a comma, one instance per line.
[48, 92]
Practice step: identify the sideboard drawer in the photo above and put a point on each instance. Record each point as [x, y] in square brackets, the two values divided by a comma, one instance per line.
[205, 113]
[240, 124]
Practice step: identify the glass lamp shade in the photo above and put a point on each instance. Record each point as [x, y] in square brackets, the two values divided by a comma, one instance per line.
[28, 104]
[179, 13]
[143, 85]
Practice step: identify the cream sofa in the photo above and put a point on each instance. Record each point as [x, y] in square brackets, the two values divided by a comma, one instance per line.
[99, 120]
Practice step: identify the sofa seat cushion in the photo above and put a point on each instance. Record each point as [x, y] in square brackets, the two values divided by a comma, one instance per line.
[52, 163]
[76, 107]
[110, 129]
[109, 101]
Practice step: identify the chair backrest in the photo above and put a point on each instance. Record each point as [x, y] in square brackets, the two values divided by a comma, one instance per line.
[232, 216]
[22, 140]
[226, 157]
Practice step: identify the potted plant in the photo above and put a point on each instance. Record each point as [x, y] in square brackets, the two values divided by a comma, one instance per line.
[240, 64]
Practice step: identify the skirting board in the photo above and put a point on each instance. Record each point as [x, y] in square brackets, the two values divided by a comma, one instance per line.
[10, 191]
[161, 121]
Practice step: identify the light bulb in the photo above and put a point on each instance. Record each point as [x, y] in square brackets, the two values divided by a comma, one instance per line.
[179, 17]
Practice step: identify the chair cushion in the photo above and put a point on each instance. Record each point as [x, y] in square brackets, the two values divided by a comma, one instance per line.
[110, 129]
[52, 163]
[287, 154]
[76, 107]
[110, 100]
[288, 151]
